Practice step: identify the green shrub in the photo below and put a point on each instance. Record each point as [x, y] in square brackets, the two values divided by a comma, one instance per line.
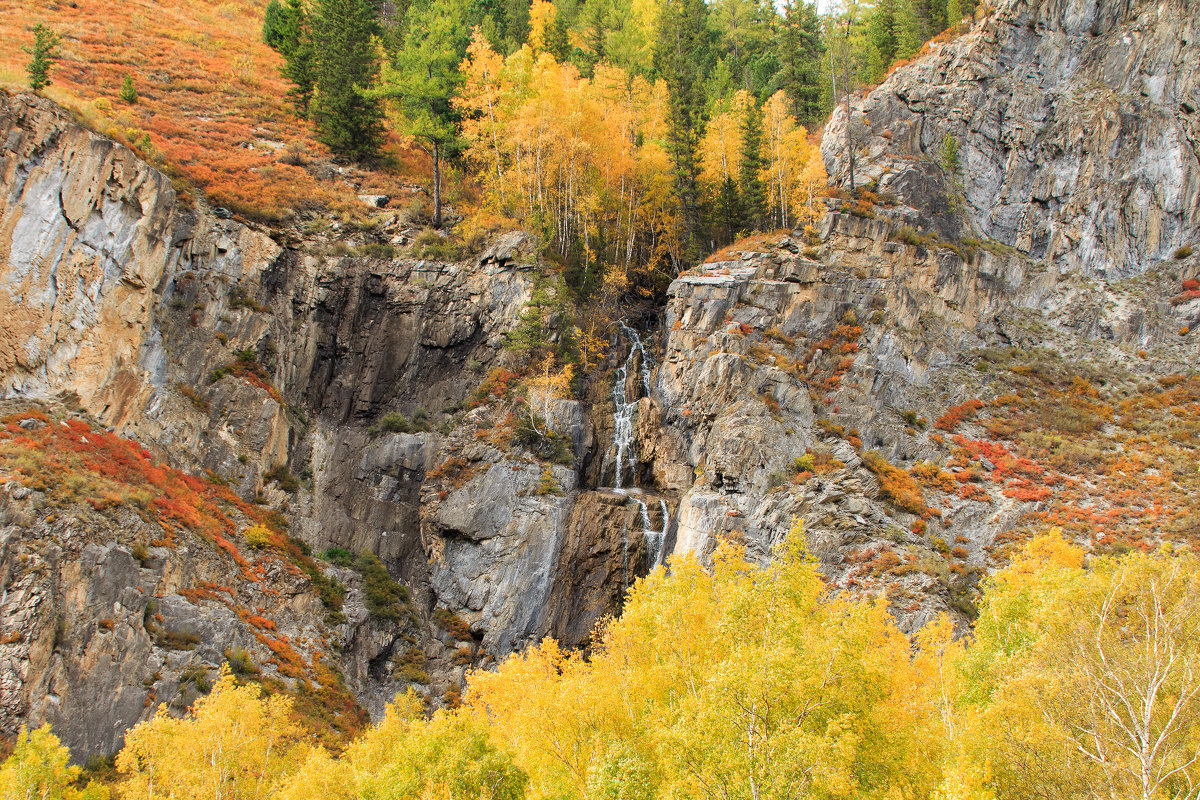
[452, 623]
[386, 597]
[909, 235]
[534, 435]
[241, 662]
[395, 422]
[197, 676]
[432, 245]
[282, 477]
[1183, 252]
[176, 640]
[376, 250]
[238, 298]
[340, 556]
[410, 665]
[128, 93]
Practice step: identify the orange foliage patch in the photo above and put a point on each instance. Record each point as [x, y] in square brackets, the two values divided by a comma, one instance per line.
[957, 414]
[72, 462]
[211, 108]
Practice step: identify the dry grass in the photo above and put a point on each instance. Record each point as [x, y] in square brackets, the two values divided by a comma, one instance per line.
[212, 109]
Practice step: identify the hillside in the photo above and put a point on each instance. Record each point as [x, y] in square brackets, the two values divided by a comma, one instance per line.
[212, 110]
[685, 431]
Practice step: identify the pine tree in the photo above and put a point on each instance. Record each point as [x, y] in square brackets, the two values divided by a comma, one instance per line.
[881, 39]
[348, 120]
[746, 33]
[300, 69]
[128, 92]
[683, 56]
[286, 29]
[282, 25]
[727, 216]
[909, 28]
[753, 193]
[558, 39]
[44, 53]
[516, 25]
[955, 11]
[801, 70]
[422, 80]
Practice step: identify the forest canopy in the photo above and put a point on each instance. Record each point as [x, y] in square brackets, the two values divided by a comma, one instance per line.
[746, 681]
[626, 133]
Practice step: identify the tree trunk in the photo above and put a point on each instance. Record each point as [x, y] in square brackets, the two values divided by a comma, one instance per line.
[437, 185]
[850, 142]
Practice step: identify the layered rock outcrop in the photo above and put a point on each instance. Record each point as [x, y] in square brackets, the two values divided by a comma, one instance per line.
[321, 383]
[1077, 125]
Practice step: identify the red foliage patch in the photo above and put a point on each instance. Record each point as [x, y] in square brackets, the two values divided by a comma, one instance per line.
[957, 414]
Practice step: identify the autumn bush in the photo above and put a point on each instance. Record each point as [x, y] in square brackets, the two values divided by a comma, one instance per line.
[956, 415]
[896, 485]
[209, 106]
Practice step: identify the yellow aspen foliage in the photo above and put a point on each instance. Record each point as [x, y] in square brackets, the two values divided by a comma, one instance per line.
[1084, 678]
[742, 681]
[409, 757]
[738, 679]
[592, 347]
[812, 185]
[234, 744]
[721, 147]
[547, 386]
[39, 769]
[788, 154]
[578, 159]
[484, 88]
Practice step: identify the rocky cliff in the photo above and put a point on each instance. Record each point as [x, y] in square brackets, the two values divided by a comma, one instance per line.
[1078, 125]
[942, 362]
[312, 378]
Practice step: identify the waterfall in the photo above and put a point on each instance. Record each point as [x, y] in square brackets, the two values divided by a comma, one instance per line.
[623, 445]
[655, 539]
[623, 407]
[622, 422]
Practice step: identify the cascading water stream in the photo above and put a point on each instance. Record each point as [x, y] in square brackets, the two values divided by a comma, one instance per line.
[655, 539]
[623, 445]
[623, 406]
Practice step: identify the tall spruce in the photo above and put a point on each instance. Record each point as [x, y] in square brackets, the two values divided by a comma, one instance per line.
[300, 69]
[910, 27]
[753, 193]
[282, 23]
[683, 57]
[44, 53]
[727, 216]
[879, 40]
[286, 29]
[801, 71]
[422, 80]
[348, 119]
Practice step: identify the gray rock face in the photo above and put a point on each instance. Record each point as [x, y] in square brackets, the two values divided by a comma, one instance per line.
[94, 639]
[1078, 126]
[225, 350]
